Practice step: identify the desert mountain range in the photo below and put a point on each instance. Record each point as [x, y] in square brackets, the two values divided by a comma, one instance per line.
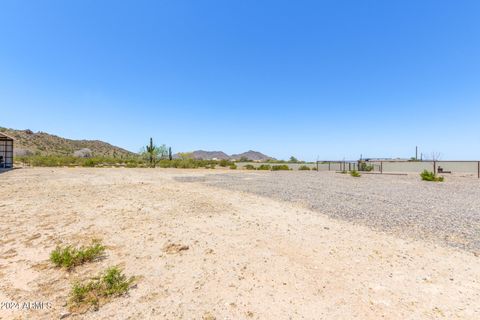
[28, 143]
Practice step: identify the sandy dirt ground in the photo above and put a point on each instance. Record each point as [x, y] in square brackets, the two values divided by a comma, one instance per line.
[248, 257]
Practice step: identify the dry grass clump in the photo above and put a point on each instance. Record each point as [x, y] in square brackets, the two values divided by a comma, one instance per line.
[354, 173]
[99, 290]
[69, 257]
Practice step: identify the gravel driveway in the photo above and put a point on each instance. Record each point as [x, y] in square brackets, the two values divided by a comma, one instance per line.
[447, 213]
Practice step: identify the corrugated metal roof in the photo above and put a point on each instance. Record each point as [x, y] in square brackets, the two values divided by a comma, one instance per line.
[3, 135]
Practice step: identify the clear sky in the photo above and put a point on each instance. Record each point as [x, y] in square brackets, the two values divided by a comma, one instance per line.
[333, 79]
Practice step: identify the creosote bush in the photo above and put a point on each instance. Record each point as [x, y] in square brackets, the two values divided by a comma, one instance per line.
[365, 167]
[430, 176]
[68, 256]
[264, 167]
[99, 290]
[354, 173]
[250, 167]
[233, 166]
[280, 167]
[225, 163]
[304, 167]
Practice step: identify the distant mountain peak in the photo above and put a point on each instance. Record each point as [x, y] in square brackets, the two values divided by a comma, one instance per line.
[220, 155]
[251, 155]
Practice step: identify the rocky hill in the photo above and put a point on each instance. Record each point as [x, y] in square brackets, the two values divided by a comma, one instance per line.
[41, 143]
[251, 155]
[207, 155]
[219, 155]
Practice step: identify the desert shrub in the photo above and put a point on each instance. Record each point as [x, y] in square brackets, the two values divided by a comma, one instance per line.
[186, 164]
[89, 163]
[225, 163]
[70, 161]
[265, 167]
[365, 167]
[354, 173]
[249, 167]
[430, 176]
[343, 172]
[275, 161]
[68, 257]
[98, 291]
[304, 167]
[314, 168]
[280, 167]
[131, 164]
[233, 166]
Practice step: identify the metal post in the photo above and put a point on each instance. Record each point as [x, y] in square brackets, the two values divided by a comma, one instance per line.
[434, 167]
[478, 170]
[329, 165]
[5, 154]
[381, 166]
[317, 165]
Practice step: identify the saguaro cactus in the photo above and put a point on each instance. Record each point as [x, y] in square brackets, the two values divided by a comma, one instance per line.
[151, 151]
[170, 157]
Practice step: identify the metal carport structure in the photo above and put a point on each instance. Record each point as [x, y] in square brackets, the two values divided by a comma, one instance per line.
[6, 151]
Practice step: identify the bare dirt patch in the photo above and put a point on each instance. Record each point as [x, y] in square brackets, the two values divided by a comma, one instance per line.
[248, 256]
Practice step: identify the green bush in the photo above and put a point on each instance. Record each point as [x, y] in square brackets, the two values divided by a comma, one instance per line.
[225, 163]
[69, 161]
[365, 167]
[131, 165]
[280, 167]
[68, 257]
[307, 168]
[90, 163]
[430, 176]
[354, 173]
[250, 167]
[264, 167]
[95, 292]
[233, 166]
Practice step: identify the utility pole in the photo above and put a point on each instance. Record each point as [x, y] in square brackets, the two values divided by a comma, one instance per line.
[416, 152]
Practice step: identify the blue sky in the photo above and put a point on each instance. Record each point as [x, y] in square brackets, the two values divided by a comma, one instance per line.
[333, 79]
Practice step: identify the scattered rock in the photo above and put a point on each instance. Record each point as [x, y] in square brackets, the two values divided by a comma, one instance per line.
[172, 248]
[208, 316]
